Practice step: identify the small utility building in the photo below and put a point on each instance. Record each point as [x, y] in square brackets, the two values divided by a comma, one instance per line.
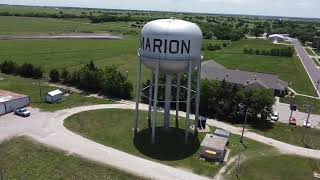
[54, 96]
[10, 101]
[213, 146]
[276, 38]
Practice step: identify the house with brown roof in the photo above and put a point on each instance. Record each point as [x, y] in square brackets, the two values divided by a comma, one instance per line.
[251, 80]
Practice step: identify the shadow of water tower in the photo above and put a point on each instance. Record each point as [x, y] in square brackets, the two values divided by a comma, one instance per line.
[171, 47]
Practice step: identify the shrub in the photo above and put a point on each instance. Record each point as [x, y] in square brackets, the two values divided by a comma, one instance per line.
[54, 75]
[9, 67]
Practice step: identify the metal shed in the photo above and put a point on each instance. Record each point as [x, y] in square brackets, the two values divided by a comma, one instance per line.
[213, 146]
[10, 101]
[54, 96]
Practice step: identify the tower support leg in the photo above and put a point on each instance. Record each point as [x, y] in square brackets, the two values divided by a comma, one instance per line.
[197, 99]
[155, 102]
[167, 105]
[186, 137]
[136, 114]
[178, 100]
[150, 100]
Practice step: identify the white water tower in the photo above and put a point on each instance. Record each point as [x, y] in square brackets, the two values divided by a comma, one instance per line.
[172, 47]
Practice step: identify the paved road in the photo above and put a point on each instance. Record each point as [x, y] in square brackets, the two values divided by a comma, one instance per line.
[47, 128]
[102, 37]
[310, 67]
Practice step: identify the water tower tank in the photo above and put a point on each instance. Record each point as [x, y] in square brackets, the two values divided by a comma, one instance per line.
[173, 43]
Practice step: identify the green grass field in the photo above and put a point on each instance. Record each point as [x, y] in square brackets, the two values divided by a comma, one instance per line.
[301, 101]
[288, 134]
[30, 87]
[49, 10]
[116, 132]
[28, 25]
[21, 158]
[309, 51]
[316, 61]
[288, 69]
[276, 167]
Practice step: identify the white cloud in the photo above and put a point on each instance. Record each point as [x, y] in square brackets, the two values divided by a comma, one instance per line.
[300, 8]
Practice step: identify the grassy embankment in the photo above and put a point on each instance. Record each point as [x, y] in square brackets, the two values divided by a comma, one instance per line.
[21, 158]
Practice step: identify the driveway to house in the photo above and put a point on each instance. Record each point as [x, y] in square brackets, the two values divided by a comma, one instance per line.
[310, 67]
[285, 112]
[47, 128]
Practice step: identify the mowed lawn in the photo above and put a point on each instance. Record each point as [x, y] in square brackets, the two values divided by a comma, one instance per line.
[114, 128]
[21, 158]
[276, 167]
[31, 88]
[72, 54]
[288, 69]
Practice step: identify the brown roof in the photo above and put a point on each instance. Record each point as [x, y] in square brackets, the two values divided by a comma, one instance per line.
[8, 96]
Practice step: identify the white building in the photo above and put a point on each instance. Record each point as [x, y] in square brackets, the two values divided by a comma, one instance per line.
[276, 37]
[10, 101]
[54, 96]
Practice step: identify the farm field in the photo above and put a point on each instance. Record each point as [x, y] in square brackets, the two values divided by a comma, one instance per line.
[29, 25]
[121, 122]
[21, 158]
[30, 87]
[288, 69]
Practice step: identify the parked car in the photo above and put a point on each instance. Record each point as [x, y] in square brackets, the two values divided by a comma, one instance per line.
[293, 121]
[23, 112]
[275, 116]
[306, 124]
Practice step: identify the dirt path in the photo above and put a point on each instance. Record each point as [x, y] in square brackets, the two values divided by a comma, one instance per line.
[219, 175]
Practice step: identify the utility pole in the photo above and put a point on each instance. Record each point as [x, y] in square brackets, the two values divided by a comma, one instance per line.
[292, 108]
[313, 104]
[244, 124]
[40, 92]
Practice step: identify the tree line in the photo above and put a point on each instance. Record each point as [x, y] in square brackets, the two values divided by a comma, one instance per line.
[44, 14]
[25, 70]
[284, 52]
[106, 17]
[221, 100]
[108, 81]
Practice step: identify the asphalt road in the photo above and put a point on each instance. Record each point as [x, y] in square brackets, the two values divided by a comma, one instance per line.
[102, 37]
[310, 67]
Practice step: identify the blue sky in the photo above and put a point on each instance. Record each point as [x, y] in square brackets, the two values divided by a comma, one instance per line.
[296, 8]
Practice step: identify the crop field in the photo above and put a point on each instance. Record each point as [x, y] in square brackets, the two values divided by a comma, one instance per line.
[49, 10]
[29, 25]
[288, 69]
